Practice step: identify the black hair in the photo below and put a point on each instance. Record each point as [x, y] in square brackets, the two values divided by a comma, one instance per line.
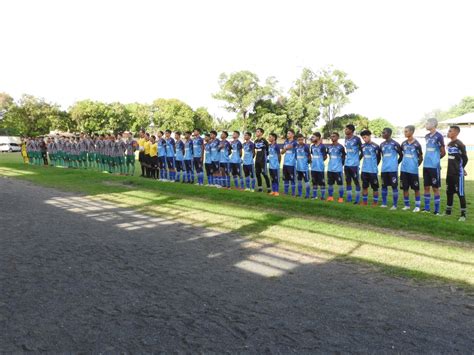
[153, 136]
[291, 130]
[187, 132]
[388, 130]
[299, 135]
[161, 132]
[317, 134]
[213, 132]
[198, 129]
[273, 135]
[226, 134]
[249, 133]
[207, 135]
[260, 129]
[336, 133]
[456, 128]
[178, 133]
[351, 127]
[411, 128]
[238, 133]
[168, 131]
[365, 132]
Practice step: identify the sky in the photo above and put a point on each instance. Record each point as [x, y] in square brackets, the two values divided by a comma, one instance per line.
[406, 57]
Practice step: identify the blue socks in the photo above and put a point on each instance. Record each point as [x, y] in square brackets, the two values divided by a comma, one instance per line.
[384, 196]
[357, 194]
[341, 193]
[427, 202]
[330, 190]
[349, 193]
[417, 201]
[437, 202]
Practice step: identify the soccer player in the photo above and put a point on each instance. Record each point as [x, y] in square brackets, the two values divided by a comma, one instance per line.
[161, 142]
[372, 157]
[261, 154]
[170, 157]
[179, 156]
[130, 146]
[412, 158]
[82, 145]
[153, 171]
[337, 157]
[435, 151]
[303, 158]
[207, 159]
[274, 159]
[100, 152]
[224, 152]
[236, 160]
[392, 156]
[319, 154]
[121, 148]
[457, 161]
[289, 162]
[198, 155]
[353, 156]
[146, 151]
[215, 155]
[248, 162]
[141, 151]
[188, 158]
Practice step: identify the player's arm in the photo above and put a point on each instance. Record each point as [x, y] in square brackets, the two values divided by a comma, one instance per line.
[361, 153]
[442, 148]
[343, 155]
[202, 150]
[278, 152]
[378, 153]
[325, 153]
[399, 150]
[239, 147]
[308, 153]
[464, 157]
[252, 148]
[420, 155]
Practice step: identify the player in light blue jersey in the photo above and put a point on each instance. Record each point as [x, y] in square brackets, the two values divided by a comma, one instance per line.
[236, 160]
[370, 170]
[161, 142]
[248, 162]
[179, 156]
[353, 146]
[170, 156]
[303, 159]
[319, 154]
[274, 159]
[198, 155]
[337, 157]
[412, 158]
[188, 158]
[224, 160]
[215, 155]
[289, 162]
[207, 159]
[391, 157]
[434, 152]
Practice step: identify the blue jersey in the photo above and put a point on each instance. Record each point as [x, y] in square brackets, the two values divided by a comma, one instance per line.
[224, 151]
[391, 151]
[207, 155]
[319, 153]
[274, 157]
[412, 155]
[188, 150]
[214, 150]
[170, 146]
[371, 152]
[161, 147]
[290, 154]
[235, 156]
[249, 148]
[433, 150]
[337, 155]
[353, 151]
[179, 150]
[303, 157]
[197, 147]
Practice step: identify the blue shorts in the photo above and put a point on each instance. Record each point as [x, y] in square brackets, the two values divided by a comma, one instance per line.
[197, 164]
[351, 173]
[236, 169]
[225, 167]
[274, 175]
[162, 162]
[303, 175]
[179, 165]
[170, 162]
[215, 167]
[208, 167]
[431, 177]
[249, 171]
[334, 177]
[188, 165]
[389, 179]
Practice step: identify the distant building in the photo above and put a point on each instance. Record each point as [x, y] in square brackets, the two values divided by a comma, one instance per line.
[466, 123]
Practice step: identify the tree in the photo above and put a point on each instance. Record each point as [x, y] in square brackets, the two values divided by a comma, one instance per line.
[377, 125]
[202, 119]
[272, 122]
[266, 106]
[466, 105]
[139, 115]
[172, 113]
[339, 123]
[90, 116]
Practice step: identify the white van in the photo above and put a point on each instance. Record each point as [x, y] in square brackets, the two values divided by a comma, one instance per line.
[10, 144]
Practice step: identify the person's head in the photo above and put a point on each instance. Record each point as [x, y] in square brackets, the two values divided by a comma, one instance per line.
[366, 134]
[272, 138]
[235, 135]
[207, 137]
[350, 128]
[119, 136]
[141, 133]
[290, 134]
[453, 132]
[334, 137]
[197, 132]
[187, 135]
[168, 133]
[315, 137]
[259, 132]
[159, 134]
[112, 138]
[247, 136]
[224, 135]
[300, 138]
[177, 135]
[387, 133]
[431, 124]
[147, 136]
[213, 134]
[152, 139]
[409, 130]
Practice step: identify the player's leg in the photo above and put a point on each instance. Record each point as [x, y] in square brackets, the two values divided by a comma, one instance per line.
[314, 180]
[258, 173]
[427, 184]
[348, 176]
[405, 185]
[322, 184]
[415, 185]
[266, 177]
[307, 184]
[365, 188]
[374, 184]
[299, 177]
[385, 184]
[462, 199]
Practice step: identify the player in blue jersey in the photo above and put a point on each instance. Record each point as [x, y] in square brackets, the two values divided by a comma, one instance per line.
[188, 158]
[412, 158]
[248, 162]
[434, 152]
[236, 160]
[274, 159]
[319, 154]
[371, 154]
[198, 155]
[289, 162]
[224, 160]
[215, 155]
[353, 146]
[161, 142]
[170, 156]
[337, 157]
[179, 156]
[392, 156]
[207, 159]
[303, 159]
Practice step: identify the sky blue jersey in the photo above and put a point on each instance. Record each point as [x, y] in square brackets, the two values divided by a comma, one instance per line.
[372, 155]
[161, 147]
[188, 150]
[353, 151]
[274, 156]
[303, 157]
[337, 156]
[391, 156]
[433, 150]
[290, 154]
[319, 153]
[249, 150]
[170, 147]
[224, 151]
[207, 153]
[412, 156]
[235, 156]
[215, 150]
[197, 147]
[179, 150]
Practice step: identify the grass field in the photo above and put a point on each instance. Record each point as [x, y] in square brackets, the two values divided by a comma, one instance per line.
[402, 243]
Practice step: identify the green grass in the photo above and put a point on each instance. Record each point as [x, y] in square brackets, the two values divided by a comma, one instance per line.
[401, 243]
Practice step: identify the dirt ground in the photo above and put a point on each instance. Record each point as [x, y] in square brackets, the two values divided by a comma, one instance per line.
[81, 275]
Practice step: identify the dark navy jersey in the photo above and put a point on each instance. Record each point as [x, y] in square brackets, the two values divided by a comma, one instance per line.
[261, 150]
[457, 158]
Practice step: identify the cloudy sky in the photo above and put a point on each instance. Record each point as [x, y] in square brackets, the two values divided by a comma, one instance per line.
[407, 57]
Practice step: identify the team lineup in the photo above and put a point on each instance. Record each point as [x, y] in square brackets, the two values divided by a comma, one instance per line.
[307, 170]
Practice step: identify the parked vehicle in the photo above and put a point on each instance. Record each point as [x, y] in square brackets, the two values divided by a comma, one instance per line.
[10, 144]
